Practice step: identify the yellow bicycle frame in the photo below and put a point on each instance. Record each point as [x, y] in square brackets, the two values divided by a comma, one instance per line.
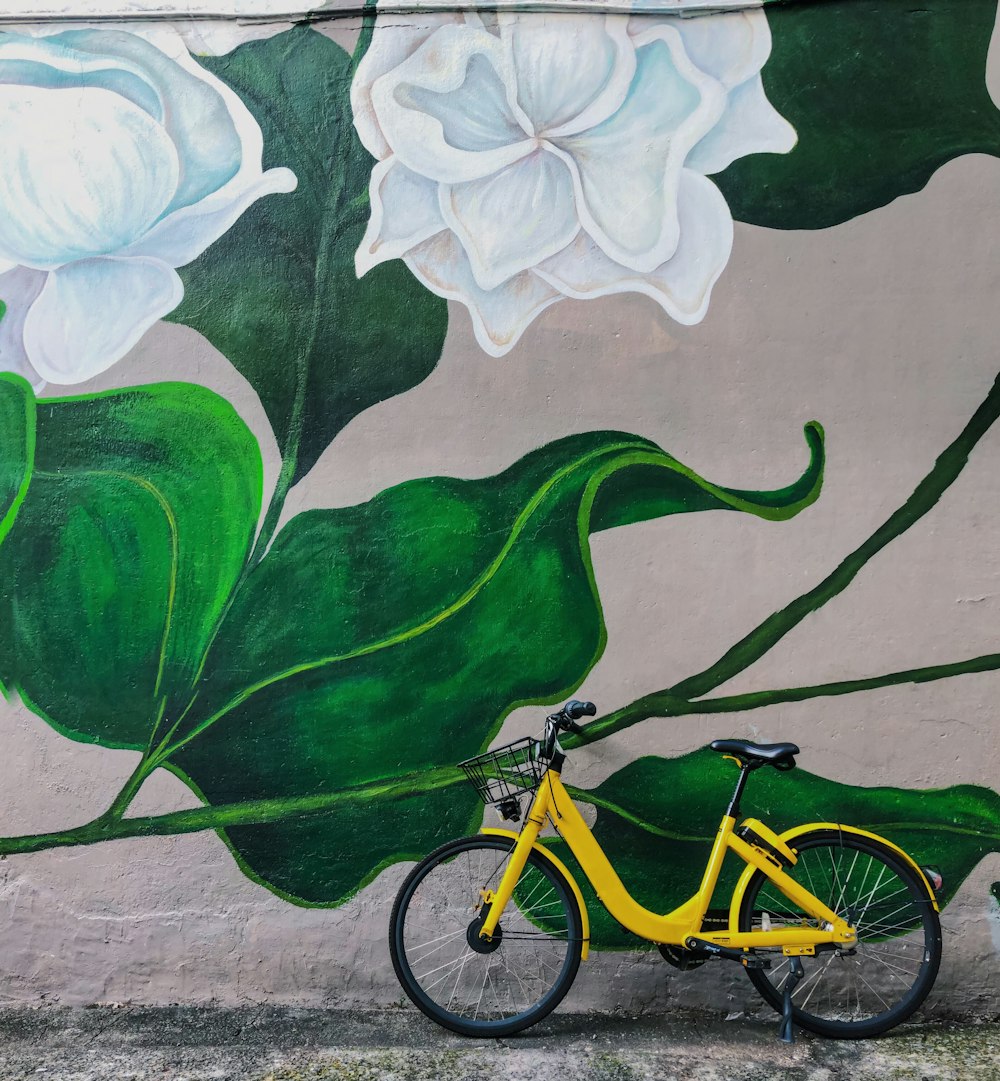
[552, 801]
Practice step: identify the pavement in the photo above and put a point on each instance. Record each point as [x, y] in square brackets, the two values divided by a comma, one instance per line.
[395, 1044]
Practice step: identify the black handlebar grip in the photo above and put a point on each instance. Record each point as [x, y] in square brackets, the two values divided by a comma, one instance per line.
[574, 709]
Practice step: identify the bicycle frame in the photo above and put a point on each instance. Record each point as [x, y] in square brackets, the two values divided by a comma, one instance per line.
[552, 801]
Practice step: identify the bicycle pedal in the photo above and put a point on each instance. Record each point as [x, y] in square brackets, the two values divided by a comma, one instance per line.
[727, 953]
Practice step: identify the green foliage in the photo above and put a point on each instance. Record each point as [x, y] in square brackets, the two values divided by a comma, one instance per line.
[656, 819]
[17, 445]
[278, 293]
[393, 637]
[373, 642]
[881, 94]
[132, 534]
[329, 686]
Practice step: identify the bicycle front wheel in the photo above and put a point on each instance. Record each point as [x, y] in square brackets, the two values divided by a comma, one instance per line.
[468, 985]
[872, 987]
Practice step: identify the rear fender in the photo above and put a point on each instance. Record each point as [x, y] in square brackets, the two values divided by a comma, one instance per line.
[790, 836]
[564, 870]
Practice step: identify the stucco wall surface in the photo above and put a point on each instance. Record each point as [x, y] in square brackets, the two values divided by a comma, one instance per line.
[251, 304]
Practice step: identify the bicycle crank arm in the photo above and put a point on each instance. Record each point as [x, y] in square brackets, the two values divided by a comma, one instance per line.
[726, 953]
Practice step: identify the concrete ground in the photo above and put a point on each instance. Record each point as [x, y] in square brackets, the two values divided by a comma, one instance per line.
[270, 1044]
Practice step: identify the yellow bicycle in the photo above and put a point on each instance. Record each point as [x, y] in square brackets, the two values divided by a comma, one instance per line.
[836, 927]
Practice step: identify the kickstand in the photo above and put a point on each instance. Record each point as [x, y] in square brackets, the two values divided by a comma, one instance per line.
[786, 1032]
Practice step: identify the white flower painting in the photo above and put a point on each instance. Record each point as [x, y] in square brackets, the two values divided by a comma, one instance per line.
[543, 157]
[123, 160]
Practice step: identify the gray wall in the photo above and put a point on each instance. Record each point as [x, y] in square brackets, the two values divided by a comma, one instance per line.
[883, 328]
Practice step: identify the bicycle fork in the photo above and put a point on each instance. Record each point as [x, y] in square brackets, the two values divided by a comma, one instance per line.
[495, 901]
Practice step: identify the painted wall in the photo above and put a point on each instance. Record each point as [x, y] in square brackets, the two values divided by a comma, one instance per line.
[363, 388]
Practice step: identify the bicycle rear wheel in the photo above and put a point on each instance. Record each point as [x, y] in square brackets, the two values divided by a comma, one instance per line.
[468, 985]
[867, 990]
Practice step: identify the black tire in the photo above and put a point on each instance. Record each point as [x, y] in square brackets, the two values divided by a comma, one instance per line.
[441, 898]
[860, 993]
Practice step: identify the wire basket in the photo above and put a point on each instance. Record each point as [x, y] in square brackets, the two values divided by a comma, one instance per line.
[507, 772]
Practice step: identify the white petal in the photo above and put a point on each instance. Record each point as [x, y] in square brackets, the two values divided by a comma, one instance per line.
[89, 315]
[219, 140]
[627, 169]
[55, 62]
[395, 38]
[750, 125]
[573, 71]
[405, 213]
[446, 111]
[499, 316]
[183, 235]
[514, 219]
[19, 289]
[683, 285]
[730, 46]
[195, 107]
[85, 172]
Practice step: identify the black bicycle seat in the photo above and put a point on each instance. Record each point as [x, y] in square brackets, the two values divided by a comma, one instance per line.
[771, 754]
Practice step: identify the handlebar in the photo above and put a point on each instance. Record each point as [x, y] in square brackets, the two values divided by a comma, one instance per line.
[566, 718]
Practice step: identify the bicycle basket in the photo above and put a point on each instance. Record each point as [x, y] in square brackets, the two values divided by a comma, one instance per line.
[507, 772]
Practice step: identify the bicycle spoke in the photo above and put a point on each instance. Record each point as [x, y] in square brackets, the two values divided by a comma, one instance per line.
[868, 988]
[815, 975]
[536, 937]
[894, 968]
[442, 941]
[458, 978]
[448, 965]
[840, 899]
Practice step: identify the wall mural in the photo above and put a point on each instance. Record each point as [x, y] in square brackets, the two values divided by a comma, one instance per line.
[310, 212]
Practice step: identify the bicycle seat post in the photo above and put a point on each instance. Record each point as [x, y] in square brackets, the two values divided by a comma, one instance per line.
[733, 811]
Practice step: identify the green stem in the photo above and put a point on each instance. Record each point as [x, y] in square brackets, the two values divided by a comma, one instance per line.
[293, 437]
[110, 827]
[673, 702]
[252, 812]
[666, 704]
[129, 790]
[286, 476]
[751, 648]
[365, 37]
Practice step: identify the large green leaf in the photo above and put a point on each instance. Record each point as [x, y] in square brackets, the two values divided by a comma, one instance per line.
[657, 817]
[391, 638]
[17, 445]
[134, 529]
[278, 294]
[881, 93]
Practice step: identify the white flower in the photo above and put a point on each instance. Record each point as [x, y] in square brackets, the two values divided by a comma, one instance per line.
[543, 157]
[122, 160]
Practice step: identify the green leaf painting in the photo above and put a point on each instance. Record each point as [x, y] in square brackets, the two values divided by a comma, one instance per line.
[17, 446]
[881, 94]
[278, 294]
[656, 820]
[450, 603]
[134, 529]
